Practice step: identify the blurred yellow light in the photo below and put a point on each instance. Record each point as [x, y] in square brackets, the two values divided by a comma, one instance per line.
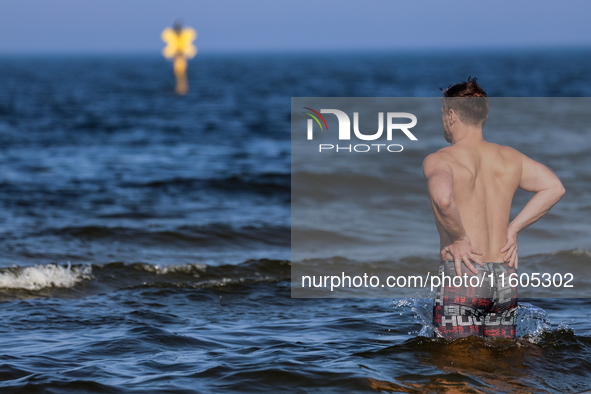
[179, 43]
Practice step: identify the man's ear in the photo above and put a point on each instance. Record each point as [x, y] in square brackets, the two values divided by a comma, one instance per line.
[452, 116]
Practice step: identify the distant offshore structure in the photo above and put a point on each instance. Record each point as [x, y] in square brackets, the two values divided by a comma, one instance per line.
[179, 48]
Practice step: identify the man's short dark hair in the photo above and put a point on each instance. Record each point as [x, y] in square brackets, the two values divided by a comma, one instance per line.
[469, 100]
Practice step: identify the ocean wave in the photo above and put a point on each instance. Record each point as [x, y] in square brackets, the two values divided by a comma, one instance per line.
[52, 279]
[574, 252]
[43, 276]
[210, 235]
[93, 278]
[264, 183]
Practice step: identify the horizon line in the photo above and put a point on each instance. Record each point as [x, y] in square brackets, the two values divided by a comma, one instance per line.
[433, 49]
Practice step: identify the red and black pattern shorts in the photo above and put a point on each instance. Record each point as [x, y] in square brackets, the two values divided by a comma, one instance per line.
[488, 309]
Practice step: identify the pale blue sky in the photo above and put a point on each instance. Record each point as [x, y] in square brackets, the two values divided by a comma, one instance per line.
[269, 25]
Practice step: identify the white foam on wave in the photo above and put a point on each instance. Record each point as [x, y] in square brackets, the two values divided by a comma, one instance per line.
[42, 276]
[579, 252]
[170, 269]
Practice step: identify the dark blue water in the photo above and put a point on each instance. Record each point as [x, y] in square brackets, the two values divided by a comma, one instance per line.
[145, 237]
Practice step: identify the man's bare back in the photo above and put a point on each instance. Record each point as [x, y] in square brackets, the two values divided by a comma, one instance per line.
[472, 184]
[485, 178]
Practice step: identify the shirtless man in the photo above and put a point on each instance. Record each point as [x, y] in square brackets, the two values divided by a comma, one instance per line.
[471, 187]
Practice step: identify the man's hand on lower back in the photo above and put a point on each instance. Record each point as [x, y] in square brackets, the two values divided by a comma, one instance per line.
[462, 251]
[511, 248]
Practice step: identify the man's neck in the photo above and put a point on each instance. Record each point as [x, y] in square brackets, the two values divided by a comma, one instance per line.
[467, 135]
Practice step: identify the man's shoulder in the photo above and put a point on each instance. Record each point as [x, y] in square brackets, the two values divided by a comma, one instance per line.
[435, 160]
[508, 152]
[443, 155]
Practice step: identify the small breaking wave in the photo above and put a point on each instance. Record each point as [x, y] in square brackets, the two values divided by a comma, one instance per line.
[54, 280]
[43, 276]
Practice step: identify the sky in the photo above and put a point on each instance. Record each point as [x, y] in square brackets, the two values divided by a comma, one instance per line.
[132, 26]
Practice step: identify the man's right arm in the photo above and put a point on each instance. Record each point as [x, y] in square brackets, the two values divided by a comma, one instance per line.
[537, 178]
[440, 184]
